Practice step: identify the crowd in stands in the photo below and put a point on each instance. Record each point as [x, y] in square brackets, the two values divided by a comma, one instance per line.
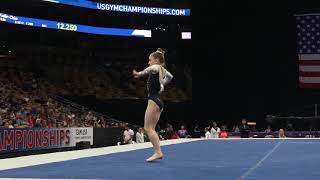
[105, 78]
[26, 86]
[24, 103]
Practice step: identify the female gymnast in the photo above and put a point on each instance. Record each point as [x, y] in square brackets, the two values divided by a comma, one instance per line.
[159, 77]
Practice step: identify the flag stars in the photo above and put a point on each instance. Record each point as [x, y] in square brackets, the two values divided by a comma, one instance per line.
[308, 27]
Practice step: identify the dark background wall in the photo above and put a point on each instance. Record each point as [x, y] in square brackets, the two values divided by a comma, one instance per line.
[253, 71]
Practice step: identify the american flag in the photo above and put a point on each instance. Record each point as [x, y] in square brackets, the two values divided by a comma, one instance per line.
[308, 36]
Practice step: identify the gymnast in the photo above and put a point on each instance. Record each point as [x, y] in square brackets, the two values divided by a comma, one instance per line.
[159, 77]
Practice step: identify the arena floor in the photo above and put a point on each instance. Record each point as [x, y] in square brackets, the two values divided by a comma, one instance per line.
[184, 159]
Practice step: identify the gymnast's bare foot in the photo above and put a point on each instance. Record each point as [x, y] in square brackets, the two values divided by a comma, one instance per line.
[154, 157]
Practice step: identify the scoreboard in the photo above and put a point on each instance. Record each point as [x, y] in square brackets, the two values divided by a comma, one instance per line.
[73, 27]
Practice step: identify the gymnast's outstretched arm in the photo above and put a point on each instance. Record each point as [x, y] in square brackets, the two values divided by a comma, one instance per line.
[151, 69]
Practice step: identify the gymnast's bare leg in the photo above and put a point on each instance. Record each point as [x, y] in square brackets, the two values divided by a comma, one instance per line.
[151, 119]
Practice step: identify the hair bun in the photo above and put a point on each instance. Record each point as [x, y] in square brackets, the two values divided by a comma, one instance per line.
[159, 50]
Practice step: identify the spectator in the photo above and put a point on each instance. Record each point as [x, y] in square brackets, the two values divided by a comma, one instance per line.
[6, 124]
[196, 131]
[38, 123]
[1, 121]
[10, 124]
[235, 129]
[30, 120]
[50, 124]
[253, 129]
[44, 124]
[281, 133]
[244, 129]
[215, 130]
[175, 136]
[182, 133]
[140, 136]
[19, 121]
[223, 133]
[128, 135]
[170, 133]
[207, 133]
[268, 130]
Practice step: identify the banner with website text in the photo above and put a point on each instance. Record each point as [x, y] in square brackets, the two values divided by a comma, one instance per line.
[124, 8]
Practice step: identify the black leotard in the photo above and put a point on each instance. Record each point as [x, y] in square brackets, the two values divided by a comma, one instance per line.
[153, 87]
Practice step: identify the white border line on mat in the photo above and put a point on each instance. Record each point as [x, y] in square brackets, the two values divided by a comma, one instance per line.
[32, 160]
[249, 171]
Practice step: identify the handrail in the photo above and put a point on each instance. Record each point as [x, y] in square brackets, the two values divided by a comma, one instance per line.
[78, 107]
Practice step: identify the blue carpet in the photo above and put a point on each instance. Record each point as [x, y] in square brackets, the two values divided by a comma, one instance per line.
[198, 160]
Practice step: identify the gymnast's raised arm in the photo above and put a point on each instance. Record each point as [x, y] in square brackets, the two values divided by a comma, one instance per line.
[151, 69]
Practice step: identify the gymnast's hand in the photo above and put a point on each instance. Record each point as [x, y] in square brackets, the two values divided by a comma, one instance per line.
[161, 88]
[135, 74]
